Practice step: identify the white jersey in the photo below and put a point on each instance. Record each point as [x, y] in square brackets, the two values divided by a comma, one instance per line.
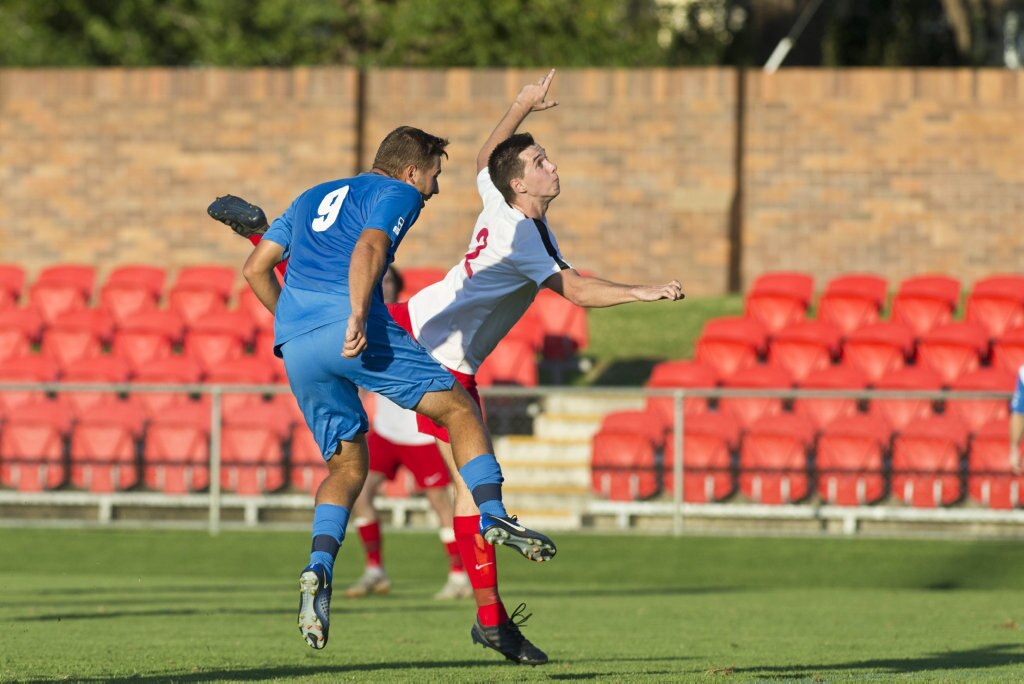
[396, 424]
[461, 319]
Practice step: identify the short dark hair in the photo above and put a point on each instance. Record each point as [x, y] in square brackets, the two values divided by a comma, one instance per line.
[505, 165]
[407, 145]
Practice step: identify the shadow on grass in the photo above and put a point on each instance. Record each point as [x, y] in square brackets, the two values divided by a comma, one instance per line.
[996, 655]
[624, 372]
[264, 673]
[99, 614]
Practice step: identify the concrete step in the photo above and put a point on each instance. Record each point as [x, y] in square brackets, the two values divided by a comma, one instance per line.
[540, 473]
[567, 425]
[591, 404]
[524, 448]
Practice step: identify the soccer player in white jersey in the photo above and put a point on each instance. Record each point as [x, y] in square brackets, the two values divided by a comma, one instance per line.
[512, 253]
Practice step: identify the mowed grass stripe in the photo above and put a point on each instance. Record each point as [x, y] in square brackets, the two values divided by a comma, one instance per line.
[98, 605]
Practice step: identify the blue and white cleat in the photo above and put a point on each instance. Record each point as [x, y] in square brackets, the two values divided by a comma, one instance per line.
[508, 532]
[314, 605]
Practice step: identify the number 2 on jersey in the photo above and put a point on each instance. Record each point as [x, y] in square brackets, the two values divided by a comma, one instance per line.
[328, 210]
[481, 239]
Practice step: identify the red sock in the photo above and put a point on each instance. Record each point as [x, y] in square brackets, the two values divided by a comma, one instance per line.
[370, 534]
[481, 566]
[452, 549]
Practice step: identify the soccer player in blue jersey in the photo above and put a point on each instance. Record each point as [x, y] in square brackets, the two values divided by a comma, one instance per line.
[335, 334]
[1017, 421]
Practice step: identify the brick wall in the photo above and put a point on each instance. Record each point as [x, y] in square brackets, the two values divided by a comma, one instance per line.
[894, 171]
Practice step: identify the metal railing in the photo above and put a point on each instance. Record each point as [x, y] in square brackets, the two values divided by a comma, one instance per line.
[677, 509]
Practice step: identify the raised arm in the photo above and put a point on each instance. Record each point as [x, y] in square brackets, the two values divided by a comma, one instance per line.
[592, 292]
[259, 272]
[530, 99]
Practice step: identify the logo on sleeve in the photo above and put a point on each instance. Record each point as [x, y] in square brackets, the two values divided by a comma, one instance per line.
[398, 226]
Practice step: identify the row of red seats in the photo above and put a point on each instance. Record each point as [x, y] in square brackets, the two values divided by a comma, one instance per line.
[921, 303]
[117, 446]
[732, 344]
[855, 460]
[897, 412]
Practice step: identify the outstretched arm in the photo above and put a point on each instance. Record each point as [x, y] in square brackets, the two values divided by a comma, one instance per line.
[529, 99]
[592, 292]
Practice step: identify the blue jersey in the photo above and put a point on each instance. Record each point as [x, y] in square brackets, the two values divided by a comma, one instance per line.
[319, 231]
[1017, 402]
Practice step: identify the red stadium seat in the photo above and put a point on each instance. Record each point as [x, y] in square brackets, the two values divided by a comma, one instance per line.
[215, 338]
[152, 278]
[245, 370]
[847, 312]
[33, 368]
[730, 344]
[944, 287]
[679, 374]
[29, 321]
[804, 347]
[975, 413]
[642, 421]
[513, 362]
[13, 343]
[146, 337]
[54, 298]
[926, 461]
[121, 300]
[103, 457]
[177, 450]
[416, 278]
[822, 411]
[263, 349]
[32, 454]
[793, 283]
[81, 276]
[868, 286]
[220, 279]
[953, 349]
[922, 313]
[12, 282]
[76, 335]
[709, 440]
[1008, 350]
[308, 468]
[774, 459]
[997, 303]
[898, 412]
[252, 453]
[748, 410]
[173, 370]
[92, 369]
[850, 460]
[193, 302]
[879, 349]
[249, 304]
[623, 466]
[990, 481]
[564, 325]
[774, 310]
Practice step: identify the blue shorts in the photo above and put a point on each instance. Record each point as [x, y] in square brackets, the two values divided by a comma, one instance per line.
[325, 383]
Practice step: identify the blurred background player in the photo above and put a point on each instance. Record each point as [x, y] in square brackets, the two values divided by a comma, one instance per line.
[1017, 421]
[394, 440]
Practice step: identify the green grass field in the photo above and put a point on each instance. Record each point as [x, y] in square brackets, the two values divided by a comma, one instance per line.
[158, 606]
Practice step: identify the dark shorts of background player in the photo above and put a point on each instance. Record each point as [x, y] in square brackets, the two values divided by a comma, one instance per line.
[400, 312]
[424, 461]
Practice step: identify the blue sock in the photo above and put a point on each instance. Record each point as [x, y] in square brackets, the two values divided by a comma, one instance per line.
[482, 476]
[329, 523]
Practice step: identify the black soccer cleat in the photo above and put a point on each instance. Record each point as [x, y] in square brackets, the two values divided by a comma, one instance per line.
[508, 532]
[243, 218]
[507, 640]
